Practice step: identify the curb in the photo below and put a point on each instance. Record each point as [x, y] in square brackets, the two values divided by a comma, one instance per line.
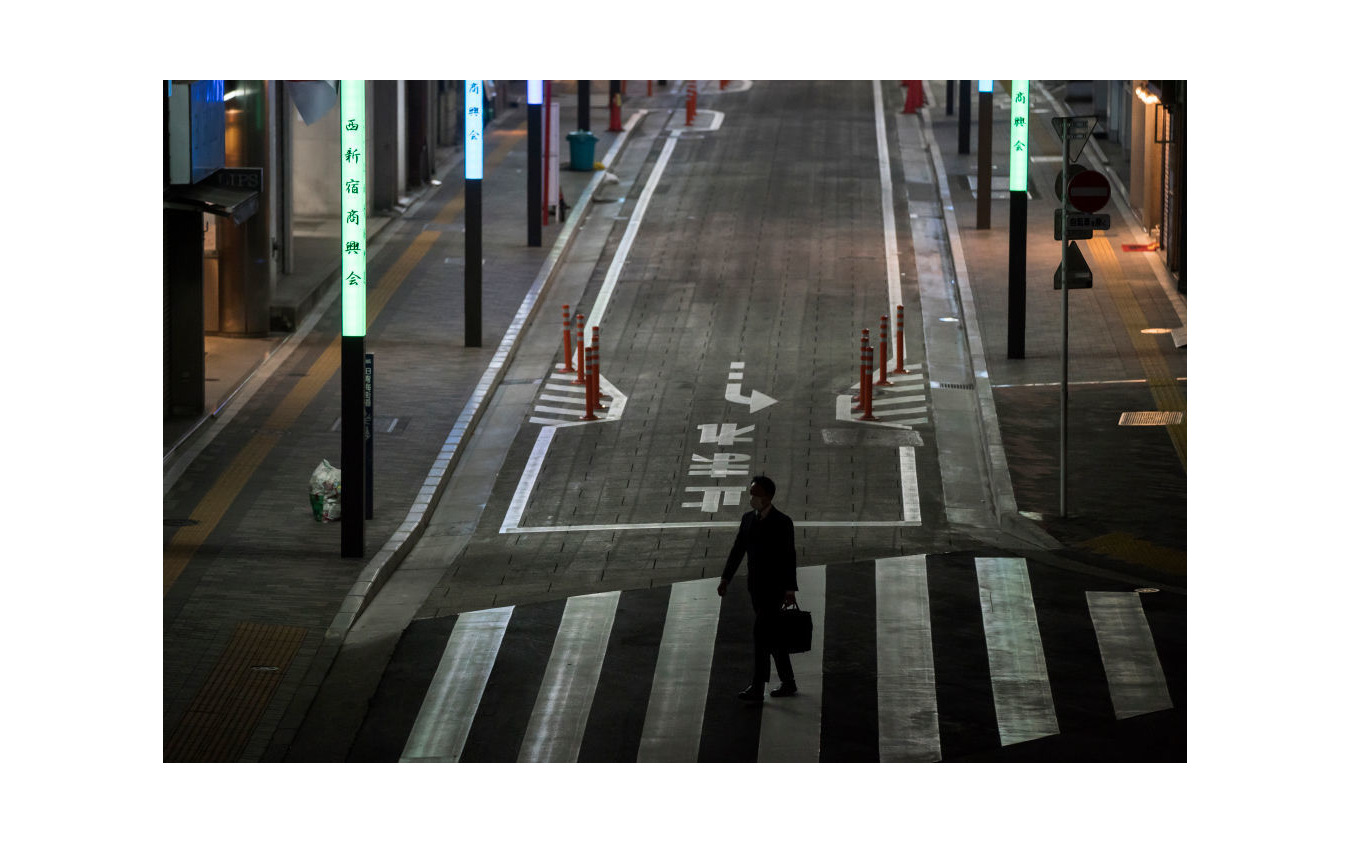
[1000, 480]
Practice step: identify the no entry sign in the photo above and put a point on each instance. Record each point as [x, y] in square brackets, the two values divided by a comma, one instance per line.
[1089, 191]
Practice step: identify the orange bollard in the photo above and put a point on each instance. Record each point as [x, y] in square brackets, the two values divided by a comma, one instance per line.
[858, 398]
[590, 392]
[867, 389]
[885, 350]
[900, 341]
[615, 124]
[723, 85]
[913, 95]
[567, 340]
[581, 351]
[690, 103]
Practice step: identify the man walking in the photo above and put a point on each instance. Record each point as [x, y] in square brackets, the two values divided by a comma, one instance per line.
[765, 535]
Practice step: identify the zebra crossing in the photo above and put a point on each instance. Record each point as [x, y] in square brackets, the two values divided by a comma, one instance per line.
[562, 403]
[914, 658]
[902, 403]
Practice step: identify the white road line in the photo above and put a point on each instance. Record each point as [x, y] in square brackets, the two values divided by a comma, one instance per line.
[789, 728]
[527, 479]
[597, 312]
[563, 704]
[897, 400]
[887, 204]
[1133, 672]
[450, 704]
[568, 399]
[909, 485]
[907, 715]
[1022, 698]
[674, 722]
[571, 412]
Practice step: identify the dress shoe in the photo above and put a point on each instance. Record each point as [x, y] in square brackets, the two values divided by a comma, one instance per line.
[753, 692]
[784, 690]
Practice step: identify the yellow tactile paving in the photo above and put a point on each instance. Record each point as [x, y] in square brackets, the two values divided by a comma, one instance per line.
[1166, 393]
[211, 509]
[218, 722]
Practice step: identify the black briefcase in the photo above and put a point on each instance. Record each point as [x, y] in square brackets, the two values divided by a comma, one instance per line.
[794, 629]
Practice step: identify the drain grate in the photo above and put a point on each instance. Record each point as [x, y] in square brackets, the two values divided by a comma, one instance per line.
[946, 386]
[1151, 417]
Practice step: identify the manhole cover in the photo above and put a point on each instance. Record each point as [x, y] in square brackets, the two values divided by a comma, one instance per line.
[1151, 417]
[180, 522]
[1144, 590]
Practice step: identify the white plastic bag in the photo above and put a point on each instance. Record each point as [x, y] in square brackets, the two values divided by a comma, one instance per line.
[325, 492]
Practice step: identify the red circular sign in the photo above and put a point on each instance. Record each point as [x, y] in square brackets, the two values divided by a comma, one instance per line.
[1089, 191]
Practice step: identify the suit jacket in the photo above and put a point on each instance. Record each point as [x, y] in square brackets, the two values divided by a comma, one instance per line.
[772, 569]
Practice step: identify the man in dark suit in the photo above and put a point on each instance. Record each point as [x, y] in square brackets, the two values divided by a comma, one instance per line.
[766, 536]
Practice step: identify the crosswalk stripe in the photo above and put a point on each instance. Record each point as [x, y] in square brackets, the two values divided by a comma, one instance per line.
[674, 722]
[1022, 697]
[451, 702]
[568, 399]
[563, 704]
[897, 400]
[1133, 672]
[790, 731]
[909, 485]
[907, 728]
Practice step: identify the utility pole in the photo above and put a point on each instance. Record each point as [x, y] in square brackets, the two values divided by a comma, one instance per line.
[352, 144]
[473, 213]
[1018, 150]
[985, 164]
[963, 118]
[534, 195]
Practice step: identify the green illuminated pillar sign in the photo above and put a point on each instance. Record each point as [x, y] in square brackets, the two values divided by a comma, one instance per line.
[353, 132]
[1021, 137]
[473, 129]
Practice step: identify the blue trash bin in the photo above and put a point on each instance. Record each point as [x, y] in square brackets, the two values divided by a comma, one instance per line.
[583, 150]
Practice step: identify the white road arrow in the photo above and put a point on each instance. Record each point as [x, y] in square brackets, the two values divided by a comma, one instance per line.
[757, 400]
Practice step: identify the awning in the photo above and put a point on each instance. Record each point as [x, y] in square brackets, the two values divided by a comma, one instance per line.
[236, 203]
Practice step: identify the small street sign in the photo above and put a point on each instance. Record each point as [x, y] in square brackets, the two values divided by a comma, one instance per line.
[1080, 274]
[1081, 225]
[1089, 191]
[1079, 129]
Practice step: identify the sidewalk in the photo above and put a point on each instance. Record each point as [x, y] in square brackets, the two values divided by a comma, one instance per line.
[1126, 487]
[253, 584]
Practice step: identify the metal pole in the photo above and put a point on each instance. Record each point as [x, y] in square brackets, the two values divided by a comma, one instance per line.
[1017, 274]
[534, 194]
[1064, 328]
[473, 262]
[353, 449]
[583, 105]
[368, 432]
[473, 213]
[963, 118]
[986, 158]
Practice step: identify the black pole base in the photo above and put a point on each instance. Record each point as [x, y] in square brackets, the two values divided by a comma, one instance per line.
[353, 447]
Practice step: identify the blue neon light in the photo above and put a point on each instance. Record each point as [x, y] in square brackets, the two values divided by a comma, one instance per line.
[986, 86]
[534, 90]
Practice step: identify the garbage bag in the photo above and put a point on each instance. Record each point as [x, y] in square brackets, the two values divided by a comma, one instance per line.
[325, 492]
